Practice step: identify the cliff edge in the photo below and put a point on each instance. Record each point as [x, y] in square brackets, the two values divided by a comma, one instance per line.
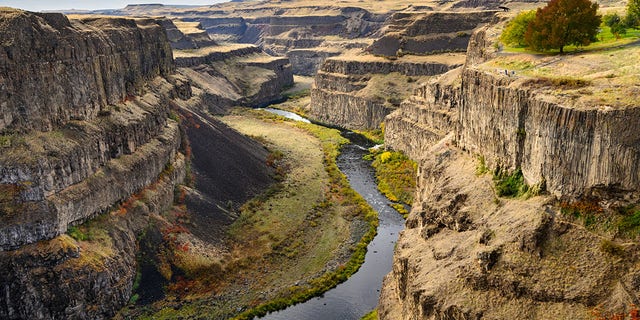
[470, 253]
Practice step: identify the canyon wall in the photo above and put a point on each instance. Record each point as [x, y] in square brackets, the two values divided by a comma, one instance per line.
[90, 142]
[428, 33]
[50, 62]
[469, 254]
[357, 92]
[82, 130]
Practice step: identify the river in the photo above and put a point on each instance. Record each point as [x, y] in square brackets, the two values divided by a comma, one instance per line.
[358, 295]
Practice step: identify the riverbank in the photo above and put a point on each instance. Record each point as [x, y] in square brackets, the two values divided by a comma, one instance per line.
[305, 234]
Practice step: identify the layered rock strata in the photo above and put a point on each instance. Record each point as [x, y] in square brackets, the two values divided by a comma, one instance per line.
[467, 254]
[358, 92]
[60, 70]
[111, 166]
[426, 117]
[427, 33]
[95, 137]
[186, 35]
[235, 74]
[464, 255]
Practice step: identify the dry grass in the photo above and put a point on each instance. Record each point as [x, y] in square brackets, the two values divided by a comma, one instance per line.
[607, 78]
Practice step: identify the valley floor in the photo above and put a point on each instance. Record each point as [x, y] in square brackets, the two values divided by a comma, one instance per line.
[293, 239]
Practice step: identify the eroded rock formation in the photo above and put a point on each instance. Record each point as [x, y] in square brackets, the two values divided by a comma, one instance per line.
[87, 132]
[469, 254]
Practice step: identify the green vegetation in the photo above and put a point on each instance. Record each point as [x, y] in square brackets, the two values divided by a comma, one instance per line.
[513, 185]
[339, 195]
[632, 19]
[515, 29]
[552, 29]
[615, 24]
[629, 223]
[482, 166]
[510, 185]
[563, 22]
[401, 209]
[377, 136]
[76, 233]
[396, 175]
[297, 94]
[622, 222]
[373, 315]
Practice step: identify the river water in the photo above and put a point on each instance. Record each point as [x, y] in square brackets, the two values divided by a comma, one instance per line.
[358, 295]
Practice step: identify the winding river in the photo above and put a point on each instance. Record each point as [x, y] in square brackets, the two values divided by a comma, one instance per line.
[358, 295]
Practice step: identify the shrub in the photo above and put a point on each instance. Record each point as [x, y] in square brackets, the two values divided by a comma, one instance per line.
[510, 185]
[515, 29]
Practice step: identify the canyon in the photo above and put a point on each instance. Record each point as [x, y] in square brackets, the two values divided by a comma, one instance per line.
[110, 129]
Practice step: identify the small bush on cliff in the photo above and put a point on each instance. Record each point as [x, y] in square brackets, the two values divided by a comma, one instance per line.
[515, 29]
[510, 185]
[563, 22]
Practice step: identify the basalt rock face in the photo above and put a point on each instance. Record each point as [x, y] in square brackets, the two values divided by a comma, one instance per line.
[464, 255]
[426, 117]
[186, 35]
[113, 172]
[468, 254]
[359, 92]
[85, 129]
[97, 136]
[235, 75]
[425, 33]
[575, 151]
[50, 62]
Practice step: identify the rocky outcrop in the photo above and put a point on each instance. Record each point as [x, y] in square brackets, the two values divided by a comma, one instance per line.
[357, 92]
[186, 35]
[94, 141]
[233, 75]
[112, 173]
[426, 33]
[571, 149]
[464, 255]
[63, 278]
[467, 254]
[55, 70]
[426, 117]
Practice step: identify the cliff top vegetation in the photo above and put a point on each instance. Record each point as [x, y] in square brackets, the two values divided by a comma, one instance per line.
[604, 75]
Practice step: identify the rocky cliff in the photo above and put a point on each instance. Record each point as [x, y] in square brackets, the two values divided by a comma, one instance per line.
[186, 35]
[90, 147]
[296, 30]
[235, 75]
[431, 32]
[357, 92]
[469, 254]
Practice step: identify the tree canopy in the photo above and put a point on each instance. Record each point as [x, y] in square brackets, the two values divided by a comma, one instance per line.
[632, 19]
[515, 29]
[563, 22]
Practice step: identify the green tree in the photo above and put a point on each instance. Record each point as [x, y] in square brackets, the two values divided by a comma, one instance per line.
[614, 21]
[632, 20]
[515, 29]
[563, 22]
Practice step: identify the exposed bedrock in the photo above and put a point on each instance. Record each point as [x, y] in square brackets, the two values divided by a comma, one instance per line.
[574, 150]
[467, 254]
[464, 255]
[357, 92]
[65, 279]
[431, 32]
[426, 117]
[235, 74]
[186, 35]
[54, 70]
